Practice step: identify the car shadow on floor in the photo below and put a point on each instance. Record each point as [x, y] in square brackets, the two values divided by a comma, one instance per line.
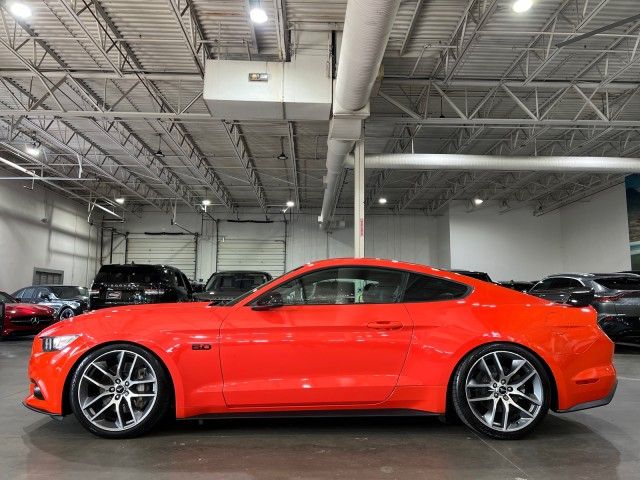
[312, 448]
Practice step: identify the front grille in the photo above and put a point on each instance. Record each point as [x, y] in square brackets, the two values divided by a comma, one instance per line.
[34, 321]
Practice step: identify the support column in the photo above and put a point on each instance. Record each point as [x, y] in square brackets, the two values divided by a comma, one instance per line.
[358, 200]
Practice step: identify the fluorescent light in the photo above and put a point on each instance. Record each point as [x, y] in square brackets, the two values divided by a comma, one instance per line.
[521, 6]
[20, 10]
[478, 201]
[120, 200]
[33, 150]
[291, 204]
[258, 15]
[382, 201]
[206, 202]
[17, 167]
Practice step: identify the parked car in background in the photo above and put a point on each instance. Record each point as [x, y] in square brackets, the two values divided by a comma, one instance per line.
[131, 284]
[23, 318]
[197, 286]
[225, 286]
[477, 275]
[616, 299]
[67, 301]
[518, 286]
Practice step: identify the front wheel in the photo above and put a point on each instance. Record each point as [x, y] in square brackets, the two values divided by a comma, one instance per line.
[66, 313]
[502, 391]
[120, 391]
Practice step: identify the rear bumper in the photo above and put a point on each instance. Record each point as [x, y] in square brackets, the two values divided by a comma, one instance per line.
[593, 403]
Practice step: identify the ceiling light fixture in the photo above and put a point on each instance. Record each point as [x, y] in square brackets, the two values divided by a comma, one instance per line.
[206, 202]
[258, 15]
[382, 201]
[282, 157]
[33, 149]
[20, 10]
[522, 6]
[478, 201]
[159, 152]
[120, 200]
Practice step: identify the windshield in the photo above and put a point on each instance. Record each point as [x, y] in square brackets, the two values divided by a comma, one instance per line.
[129, 274]
[6, 298]
[620, 283]
[235, 281]
[69, 292]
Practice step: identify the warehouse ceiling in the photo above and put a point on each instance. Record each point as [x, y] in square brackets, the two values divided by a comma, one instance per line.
[111, 92]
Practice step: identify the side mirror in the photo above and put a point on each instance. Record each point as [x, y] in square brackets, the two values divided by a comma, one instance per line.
[580, 298]
[45, 296]
[268, 302]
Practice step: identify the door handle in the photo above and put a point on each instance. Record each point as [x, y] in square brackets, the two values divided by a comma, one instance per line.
[385, 325]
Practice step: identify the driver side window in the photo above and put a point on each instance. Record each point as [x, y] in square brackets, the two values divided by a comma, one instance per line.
[340, 286]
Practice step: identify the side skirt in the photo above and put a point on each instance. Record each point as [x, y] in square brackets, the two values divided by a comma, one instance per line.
[315, 414]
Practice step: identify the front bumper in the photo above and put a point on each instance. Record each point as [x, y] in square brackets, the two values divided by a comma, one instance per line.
[48, 372]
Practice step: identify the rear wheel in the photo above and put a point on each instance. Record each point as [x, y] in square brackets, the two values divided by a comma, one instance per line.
[120, 391]
[502, 391]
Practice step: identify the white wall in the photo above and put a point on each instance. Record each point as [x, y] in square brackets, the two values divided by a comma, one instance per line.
[64, 242]
[410, 238]
[587, 236]
[595, 233]
[591, 235]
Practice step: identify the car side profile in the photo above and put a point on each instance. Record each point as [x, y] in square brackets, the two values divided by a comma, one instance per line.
[343, 337]
[66, 301]
[616, 298]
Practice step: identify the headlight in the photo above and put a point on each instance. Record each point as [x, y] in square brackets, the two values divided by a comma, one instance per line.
[53, 344]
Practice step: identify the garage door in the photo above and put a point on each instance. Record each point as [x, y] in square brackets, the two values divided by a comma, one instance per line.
[251, 254]
[176, 250]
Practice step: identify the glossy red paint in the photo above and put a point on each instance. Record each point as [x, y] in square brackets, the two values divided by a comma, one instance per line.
[25, 319]
[321, 357]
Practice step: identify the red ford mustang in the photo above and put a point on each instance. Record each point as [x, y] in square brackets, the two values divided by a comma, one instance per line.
[346, 336]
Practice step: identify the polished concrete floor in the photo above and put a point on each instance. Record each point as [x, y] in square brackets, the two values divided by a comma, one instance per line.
[601, 444]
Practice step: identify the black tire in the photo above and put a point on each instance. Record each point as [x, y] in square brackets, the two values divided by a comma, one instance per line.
[463, 406]
[65, 313]
[158, 410]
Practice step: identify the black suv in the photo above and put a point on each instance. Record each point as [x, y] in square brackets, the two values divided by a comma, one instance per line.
[225, 286]
[131, 284]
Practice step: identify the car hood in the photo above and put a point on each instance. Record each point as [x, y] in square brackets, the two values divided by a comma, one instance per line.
[128, 320]
[22, 309]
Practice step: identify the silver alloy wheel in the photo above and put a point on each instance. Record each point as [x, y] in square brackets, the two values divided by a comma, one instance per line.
[117, 390]
[504, 391]
[66, 313]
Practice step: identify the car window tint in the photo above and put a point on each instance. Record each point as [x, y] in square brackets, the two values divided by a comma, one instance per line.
[425, 288]
[339, 286]
[620, 283]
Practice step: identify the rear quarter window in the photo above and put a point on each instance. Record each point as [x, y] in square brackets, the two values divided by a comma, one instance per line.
[425, 288]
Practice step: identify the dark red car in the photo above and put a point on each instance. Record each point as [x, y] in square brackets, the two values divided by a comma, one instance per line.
[23, 318]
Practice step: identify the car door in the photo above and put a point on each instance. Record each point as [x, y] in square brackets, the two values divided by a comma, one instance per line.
[340, 337]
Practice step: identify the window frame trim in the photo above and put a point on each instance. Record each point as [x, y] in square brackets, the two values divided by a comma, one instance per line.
[405, 279]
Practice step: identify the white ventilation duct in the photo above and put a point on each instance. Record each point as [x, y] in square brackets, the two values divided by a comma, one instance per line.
[487, 162]
[367, 26]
